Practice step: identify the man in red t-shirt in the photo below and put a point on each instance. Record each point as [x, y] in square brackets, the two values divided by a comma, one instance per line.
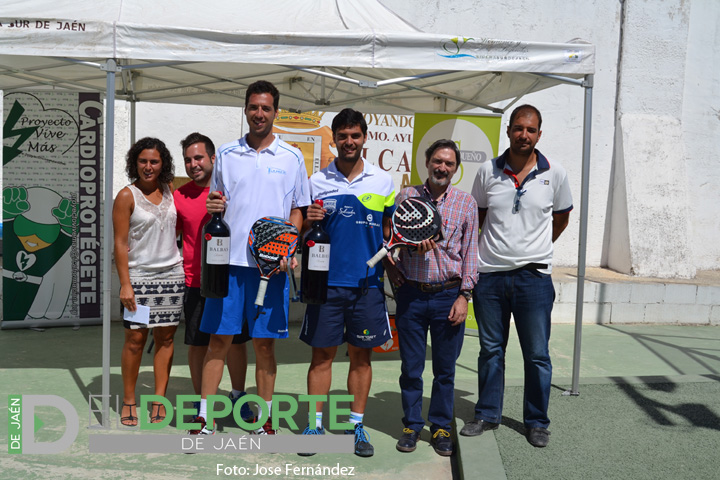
[199, 157]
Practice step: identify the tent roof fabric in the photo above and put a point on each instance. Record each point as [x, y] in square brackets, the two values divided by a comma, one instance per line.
[322, 54]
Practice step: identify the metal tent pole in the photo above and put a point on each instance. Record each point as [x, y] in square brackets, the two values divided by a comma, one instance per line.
[132, 121]
[582, 241]
[111, 69]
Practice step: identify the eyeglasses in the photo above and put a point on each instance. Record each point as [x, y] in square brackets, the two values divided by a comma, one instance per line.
[516, 204]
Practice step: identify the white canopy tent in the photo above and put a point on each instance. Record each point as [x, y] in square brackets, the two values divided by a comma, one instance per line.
[321, 54]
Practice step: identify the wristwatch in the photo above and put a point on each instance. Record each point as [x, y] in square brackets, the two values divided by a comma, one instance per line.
[467, 294]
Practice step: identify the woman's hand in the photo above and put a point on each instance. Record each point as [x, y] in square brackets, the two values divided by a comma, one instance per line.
[127, 298]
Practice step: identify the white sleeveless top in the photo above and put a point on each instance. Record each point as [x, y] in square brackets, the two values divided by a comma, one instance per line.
[151, 239]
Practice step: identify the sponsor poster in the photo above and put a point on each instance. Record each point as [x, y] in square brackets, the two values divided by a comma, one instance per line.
[52, 210]
[477, 137]
[388, 144]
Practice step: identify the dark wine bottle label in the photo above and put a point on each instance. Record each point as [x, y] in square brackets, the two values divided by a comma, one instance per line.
[318, 256]
[218, 250]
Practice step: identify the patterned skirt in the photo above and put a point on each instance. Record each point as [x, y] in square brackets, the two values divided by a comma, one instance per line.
[162, 292]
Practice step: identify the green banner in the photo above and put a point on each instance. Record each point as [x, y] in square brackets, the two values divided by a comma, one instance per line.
[52, 208]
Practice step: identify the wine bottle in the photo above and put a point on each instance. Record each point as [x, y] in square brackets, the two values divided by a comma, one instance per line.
[215, 272]
[315, 264]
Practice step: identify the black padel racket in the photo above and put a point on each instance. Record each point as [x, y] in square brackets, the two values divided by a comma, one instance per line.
[271, 238]
[415, 219]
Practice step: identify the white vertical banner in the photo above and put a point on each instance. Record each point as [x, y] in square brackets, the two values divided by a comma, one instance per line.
[52, 215]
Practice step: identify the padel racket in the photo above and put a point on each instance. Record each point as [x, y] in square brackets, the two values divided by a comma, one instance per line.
[271, 238]
[415, 219]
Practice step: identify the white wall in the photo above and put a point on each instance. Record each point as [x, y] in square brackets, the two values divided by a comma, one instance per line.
[701, 131]
[650, 185]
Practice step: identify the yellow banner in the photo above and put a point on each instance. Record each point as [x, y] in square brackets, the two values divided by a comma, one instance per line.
[477, 137]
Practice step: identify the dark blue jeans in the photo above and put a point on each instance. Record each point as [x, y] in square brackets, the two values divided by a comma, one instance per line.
[527, 295]
[416, 313]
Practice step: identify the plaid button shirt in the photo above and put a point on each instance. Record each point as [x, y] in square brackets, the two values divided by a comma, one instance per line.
[456, 255]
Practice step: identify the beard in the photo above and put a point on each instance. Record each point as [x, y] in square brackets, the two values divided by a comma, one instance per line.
[352, 157]
[524, 149]
[438, 179]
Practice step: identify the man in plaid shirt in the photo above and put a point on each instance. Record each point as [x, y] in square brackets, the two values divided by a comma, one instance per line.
[434, 284]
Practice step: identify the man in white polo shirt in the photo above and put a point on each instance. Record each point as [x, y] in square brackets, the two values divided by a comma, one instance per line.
[524, 204]
[259, 175]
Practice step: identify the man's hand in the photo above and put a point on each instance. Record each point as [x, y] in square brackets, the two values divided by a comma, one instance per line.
[63, 213]
[394, 275]
[315, 213]
[14, 202]
[458, 312]
[284, 264]
[425, 246]
[215, 202]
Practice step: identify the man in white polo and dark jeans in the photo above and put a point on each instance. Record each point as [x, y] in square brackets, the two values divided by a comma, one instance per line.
[524, 204]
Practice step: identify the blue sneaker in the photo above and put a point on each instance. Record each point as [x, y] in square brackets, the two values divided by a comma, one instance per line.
[311, 431]
[246, 412]
[362, 441]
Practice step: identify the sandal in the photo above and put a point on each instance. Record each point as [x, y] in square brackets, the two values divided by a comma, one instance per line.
[155, 417]
[128, 421]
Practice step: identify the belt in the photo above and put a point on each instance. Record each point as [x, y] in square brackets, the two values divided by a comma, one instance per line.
[434, 287]
[533, 267]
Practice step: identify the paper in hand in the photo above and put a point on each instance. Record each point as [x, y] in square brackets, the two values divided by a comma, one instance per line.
[141, 315]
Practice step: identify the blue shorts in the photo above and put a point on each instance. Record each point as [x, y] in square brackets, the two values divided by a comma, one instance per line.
[193, 305]
[225, 316]
[348, 316]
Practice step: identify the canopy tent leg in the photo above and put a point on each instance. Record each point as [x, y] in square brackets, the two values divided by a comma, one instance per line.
[111, 69]
[133, 106]
[582, 241]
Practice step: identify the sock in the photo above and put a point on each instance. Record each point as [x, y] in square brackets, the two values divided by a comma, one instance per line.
[236, 393]
[356, 417]
[318, 420]
[269, 404]
[203, 408]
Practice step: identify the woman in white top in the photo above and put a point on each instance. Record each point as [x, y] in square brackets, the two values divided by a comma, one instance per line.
[149, 266]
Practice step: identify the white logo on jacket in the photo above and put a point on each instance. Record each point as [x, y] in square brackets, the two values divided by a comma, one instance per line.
[330, 205]
[347, 211]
